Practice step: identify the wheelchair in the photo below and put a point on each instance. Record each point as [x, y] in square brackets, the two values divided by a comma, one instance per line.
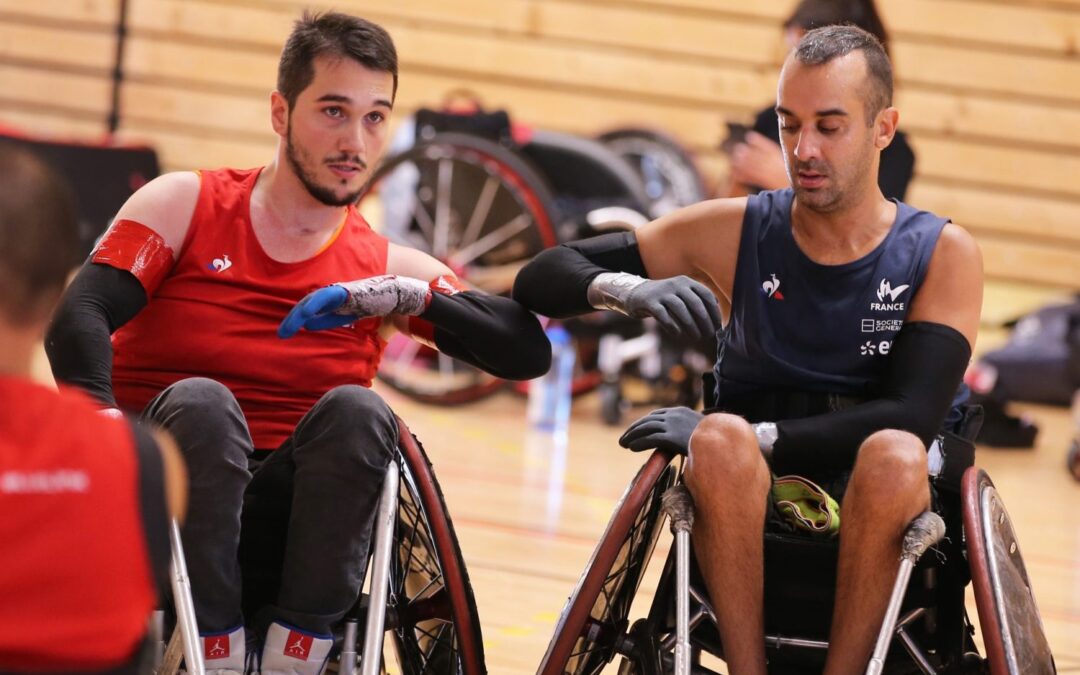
[485, 209]
[669, 172]
[930, 631]
[485, 204]
[419, 601]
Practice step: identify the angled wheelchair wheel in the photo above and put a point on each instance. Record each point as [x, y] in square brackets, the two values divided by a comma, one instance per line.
[480, 209]
[432, 617]
[594, 620]
[670, 175]
[1012, 630]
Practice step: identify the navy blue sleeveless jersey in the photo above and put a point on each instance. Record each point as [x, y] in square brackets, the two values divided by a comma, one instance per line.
[800, 326]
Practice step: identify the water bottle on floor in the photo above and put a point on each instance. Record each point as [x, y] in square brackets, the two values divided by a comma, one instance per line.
[549, 395]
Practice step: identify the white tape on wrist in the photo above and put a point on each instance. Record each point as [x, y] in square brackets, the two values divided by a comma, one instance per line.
[766, 437]
[611, 289]
[383, 295]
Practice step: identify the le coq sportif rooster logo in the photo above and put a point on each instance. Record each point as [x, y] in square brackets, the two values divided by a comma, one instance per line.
[771, 287]
[220, 264]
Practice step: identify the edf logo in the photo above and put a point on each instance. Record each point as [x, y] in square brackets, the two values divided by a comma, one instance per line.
[871, 348]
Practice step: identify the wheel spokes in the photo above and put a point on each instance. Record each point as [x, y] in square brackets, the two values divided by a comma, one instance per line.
[500, 235]
[480, 212]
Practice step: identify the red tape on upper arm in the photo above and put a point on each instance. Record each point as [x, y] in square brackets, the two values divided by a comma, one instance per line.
[134, 247]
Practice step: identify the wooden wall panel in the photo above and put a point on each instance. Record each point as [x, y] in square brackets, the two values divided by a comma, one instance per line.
[98, 13]
[989, 90]
[36, 88]
[52, 124]
[56, 60]
[58, 47]
[1037, 27]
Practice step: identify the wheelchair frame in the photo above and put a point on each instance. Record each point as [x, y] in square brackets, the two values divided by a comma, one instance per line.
[418, 577]
[594, 626]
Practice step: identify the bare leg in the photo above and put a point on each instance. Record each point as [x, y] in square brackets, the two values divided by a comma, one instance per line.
[730, 481]
[888, 489]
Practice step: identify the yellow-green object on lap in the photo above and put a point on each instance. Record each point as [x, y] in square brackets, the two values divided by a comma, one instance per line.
[805, 505]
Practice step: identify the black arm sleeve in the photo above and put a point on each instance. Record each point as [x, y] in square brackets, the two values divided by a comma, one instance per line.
[490, 332]
[556, 281]
[925, 368]
[152, 502]
[99, 300]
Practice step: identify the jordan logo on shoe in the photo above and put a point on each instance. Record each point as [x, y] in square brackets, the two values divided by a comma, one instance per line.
[216, 647]
[298, 646]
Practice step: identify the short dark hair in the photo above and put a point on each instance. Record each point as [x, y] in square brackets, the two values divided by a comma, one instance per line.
[337, 35]
[39, 235]
[822, 45]
[811, 14]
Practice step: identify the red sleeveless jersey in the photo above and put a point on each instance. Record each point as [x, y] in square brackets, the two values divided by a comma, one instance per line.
[217, 312]
[76, 587]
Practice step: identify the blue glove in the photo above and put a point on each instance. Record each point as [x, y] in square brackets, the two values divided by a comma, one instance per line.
[664, 429]
[317, 312]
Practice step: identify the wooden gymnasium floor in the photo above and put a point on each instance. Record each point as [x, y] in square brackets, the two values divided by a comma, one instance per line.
[528, 512]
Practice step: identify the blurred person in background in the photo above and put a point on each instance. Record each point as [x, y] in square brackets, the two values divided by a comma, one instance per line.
[84, 497]
[755, 157]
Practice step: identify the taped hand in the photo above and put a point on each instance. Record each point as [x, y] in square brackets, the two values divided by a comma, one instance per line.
[344, 303]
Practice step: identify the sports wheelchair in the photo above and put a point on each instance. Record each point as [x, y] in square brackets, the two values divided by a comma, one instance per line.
[419, 599]
[485, 197]
[926, 629]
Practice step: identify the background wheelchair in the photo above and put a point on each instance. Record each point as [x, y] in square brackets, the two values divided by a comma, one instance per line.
[932, 634]
[418, 600]
[485, 197]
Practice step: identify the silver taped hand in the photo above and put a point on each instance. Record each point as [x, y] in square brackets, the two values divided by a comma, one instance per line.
[682, 306]
[384, 295]
[611, 289]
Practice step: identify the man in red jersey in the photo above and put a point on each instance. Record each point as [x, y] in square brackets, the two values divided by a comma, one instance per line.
[83, 511]
[192, 281]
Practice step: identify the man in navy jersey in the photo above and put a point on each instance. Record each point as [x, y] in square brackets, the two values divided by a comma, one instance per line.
[847, 322]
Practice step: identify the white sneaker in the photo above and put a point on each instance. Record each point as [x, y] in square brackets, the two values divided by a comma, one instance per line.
[291, 651]
[223, 653]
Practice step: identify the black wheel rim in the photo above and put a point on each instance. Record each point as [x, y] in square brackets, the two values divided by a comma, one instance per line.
[476, 207]
[595, 617]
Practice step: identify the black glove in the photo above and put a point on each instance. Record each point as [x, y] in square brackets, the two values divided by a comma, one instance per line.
[680, 305]
[664, 429]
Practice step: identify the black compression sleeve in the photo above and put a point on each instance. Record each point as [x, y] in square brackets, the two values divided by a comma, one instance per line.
[556, 281]
[99, 300]
[490, 332]
[926, 365]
